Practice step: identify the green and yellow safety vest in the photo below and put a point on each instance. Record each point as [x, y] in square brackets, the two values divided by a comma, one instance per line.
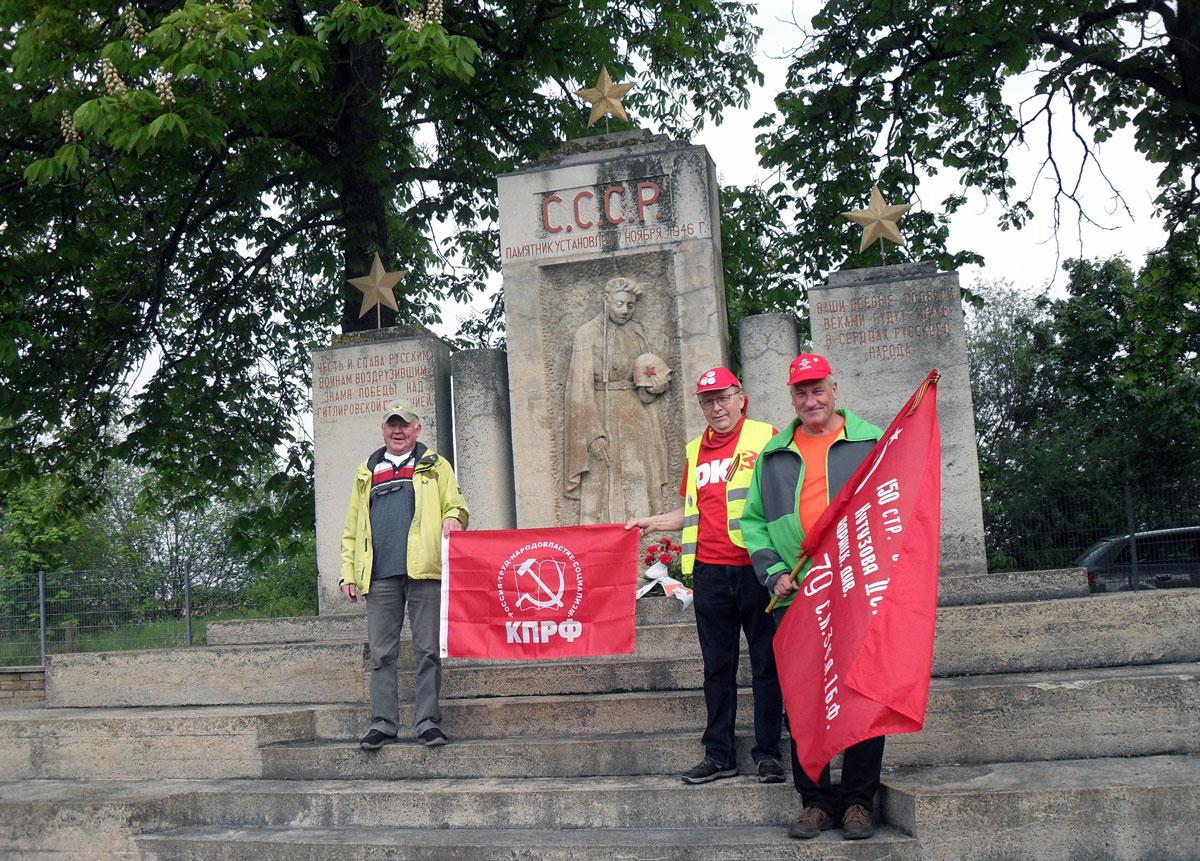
[751, 439]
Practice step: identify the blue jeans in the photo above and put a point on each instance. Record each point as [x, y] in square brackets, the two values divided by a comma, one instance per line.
[728, 600]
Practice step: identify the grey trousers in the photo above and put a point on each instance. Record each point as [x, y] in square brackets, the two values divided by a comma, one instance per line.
[385, 616]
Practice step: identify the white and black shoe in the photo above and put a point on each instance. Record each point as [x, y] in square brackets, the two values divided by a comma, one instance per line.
[433, 737]
[770, 770]
[708, 771]
[375, 739]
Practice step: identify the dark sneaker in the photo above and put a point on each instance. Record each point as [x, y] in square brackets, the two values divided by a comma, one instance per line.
[769, 770]
[375, 739]
[857, 824]
[811, 822]
[433, 737]
[708, 771]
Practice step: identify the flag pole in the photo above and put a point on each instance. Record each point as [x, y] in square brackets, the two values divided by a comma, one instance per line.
[800, 560]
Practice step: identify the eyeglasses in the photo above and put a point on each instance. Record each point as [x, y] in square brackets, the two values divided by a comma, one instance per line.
[707, 404]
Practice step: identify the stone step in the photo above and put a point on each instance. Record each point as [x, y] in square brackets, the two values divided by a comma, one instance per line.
[1020, 717]
[1146, 628]
[225, 741]
[366, 844]
[651, 610]
[89, 819]
[1107, 630]
[1005, 587]
[558, 714]
[1063, 714]
[1118, 809]
[72, 816]
[213, 742]
[1128, 808]
[971, 719]
[611, 802]
[294, 673]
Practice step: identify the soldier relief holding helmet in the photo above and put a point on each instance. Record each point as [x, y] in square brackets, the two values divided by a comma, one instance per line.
[615, 450]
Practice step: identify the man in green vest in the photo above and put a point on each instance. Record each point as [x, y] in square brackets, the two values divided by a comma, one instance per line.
[728, 595]
[797, 475]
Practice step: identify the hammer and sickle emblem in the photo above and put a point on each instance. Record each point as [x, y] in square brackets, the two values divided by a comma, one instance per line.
[549, 597]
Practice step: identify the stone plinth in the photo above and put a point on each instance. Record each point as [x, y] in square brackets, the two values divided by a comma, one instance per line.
[768, 343]
[633, 207]
[883, 329]
[483, 441]
[352, 384]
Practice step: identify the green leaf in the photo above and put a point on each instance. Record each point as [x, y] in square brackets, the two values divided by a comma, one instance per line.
[39, 172]
[158, 125]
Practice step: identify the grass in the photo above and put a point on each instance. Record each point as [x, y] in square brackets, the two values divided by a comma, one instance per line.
[23, 651]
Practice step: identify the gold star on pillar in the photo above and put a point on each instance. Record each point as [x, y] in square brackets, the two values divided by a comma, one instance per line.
[605, 97]
[878, 220]
[377, 287]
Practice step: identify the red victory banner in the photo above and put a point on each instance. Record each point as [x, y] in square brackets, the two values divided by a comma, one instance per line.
[563, 592]
[855, 649]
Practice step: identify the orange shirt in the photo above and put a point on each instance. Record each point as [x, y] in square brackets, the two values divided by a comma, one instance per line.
[814, 494]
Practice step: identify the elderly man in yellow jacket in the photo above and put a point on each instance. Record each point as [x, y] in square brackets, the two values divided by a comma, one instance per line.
[405, 500]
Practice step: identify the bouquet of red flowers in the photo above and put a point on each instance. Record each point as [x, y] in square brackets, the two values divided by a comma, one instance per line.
[663, 557]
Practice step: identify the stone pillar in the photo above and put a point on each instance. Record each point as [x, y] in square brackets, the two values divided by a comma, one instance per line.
[622, 206]
[482, 438]
[883, 329]
[353, 381]
[768, 343]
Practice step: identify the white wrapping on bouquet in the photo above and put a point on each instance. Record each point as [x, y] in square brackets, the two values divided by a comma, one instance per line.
[658, 576]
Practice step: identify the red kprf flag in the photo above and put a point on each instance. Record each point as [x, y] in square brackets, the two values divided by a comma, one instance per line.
[563, 592]
[855, 649]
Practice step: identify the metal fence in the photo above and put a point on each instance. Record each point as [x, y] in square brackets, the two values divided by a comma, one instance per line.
[101, 610]
[1127, 538]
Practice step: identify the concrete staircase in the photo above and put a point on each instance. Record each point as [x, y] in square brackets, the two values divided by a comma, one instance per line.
[1061, 727]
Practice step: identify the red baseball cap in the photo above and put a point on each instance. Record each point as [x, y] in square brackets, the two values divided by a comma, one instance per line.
[806, 367]
[716, 379]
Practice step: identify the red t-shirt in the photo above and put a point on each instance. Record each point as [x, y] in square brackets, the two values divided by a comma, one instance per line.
[716, 453]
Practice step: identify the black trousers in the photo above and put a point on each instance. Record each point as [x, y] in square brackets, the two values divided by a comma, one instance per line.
[728, 600]
[861, 765]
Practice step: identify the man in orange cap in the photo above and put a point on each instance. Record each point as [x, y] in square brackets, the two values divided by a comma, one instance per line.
[728, 595]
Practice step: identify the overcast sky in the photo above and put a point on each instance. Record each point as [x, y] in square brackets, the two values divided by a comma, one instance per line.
[1026, 257]
[1030, 258]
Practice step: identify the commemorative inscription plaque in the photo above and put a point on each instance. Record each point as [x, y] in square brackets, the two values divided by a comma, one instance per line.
[353, 381]
[883, 329]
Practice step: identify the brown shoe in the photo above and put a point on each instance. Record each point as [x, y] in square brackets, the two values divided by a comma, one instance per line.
[811, 822]
[857, 824]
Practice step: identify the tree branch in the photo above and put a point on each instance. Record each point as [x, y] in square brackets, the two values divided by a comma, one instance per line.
[1120, 68]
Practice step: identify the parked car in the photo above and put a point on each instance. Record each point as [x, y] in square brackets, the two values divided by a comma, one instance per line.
[1165, 558]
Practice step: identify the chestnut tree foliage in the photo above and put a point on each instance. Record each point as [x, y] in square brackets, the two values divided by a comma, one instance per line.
[186, 186]
[893, 90]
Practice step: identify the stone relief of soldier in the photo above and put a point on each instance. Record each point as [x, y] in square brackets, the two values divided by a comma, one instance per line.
[615, 448]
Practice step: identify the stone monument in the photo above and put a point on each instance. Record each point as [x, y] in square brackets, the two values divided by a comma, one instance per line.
[768, 343]
[353, 380]
[614, 302]
[883, 329]
[482, 439]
